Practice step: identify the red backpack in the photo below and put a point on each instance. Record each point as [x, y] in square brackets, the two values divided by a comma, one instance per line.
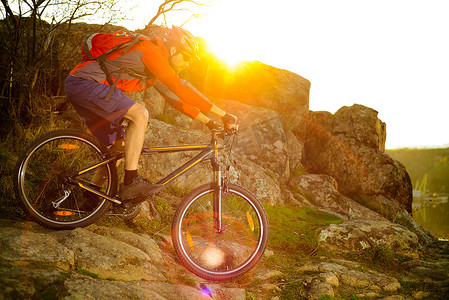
[97, 45]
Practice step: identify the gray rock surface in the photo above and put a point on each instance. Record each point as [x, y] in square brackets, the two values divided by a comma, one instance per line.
[325, 276]
[349, 147]
[358, 235]
[94, 262]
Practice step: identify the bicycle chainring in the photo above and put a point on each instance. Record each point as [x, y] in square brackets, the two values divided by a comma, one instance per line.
[126, 213]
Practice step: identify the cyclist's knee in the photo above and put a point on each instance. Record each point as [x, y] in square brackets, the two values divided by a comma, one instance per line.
[138, 114]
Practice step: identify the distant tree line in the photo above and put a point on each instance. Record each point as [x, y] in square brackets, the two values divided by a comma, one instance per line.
[430, 163]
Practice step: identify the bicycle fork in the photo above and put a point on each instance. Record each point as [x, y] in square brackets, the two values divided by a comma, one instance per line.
[218, 191]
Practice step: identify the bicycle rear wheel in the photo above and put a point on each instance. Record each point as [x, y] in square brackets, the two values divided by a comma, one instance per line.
[222, 255]
[42, 183]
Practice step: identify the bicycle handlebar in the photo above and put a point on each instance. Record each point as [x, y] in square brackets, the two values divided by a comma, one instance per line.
[223, 132]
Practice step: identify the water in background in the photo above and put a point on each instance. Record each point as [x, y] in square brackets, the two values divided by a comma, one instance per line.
[433, 214]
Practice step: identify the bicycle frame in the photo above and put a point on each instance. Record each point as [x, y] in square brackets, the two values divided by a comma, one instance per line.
[207, 152]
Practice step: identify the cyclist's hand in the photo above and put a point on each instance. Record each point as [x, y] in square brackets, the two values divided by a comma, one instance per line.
[230, 122]
[212, 125]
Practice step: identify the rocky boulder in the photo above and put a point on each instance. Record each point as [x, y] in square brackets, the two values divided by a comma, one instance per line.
[325, 277]
[261, 138]
[358, 235]
[349, 147]
[363, 228]
[156, 166]
[111, 254]
[321, 191]
[17, 245]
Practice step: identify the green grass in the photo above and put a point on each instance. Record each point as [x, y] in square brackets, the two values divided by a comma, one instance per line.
[294, 240]
[294, 230]
[51, 290]
[378, 257]
[9, 208]
[85, 272]
[381, 255]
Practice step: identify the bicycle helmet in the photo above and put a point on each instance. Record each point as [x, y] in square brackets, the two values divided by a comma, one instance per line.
[182, 40]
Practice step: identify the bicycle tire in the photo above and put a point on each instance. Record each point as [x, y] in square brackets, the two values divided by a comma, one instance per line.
[40, 179]
[220, 256]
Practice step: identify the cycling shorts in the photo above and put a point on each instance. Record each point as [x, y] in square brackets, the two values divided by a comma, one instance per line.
[103, 118]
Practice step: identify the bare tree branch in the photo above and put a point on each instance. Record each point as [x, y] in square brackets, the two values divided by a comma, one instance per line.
[7, 8]
[169, 6]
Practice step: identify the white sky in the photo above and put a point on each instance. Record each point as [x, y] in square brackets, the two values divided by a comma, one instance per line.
[390, 55]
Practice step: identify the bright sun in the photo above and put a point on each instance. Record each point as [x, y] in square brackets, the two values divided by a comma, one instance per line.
[230, 27]
[226, 52]
[228, 39]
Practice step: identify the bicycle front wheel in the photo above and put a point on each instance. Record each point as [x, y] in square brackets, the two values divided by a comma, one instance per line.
[230, 252]
[42, 179]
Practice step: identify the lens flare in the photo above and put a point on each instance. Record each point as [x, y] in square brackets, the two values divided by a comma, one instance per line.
[212, 257]
[205, 291]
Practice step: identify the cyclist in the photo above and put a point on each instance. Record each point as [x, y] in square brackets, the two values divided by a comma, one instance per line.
[103, 106]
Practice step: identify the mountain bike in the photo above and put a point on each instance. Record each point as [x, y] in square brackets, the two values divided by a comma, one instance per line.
[219, 230]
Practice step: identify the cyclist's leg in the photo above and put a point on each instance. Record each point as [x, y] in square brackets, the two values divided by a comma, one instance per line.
[135, 135]
[104, 119]
[134, 186]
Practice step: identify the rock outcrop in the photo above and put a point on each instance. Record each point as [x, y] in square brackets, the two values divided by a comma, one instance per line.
[357, 235]
[330, 275]
[93, 262]
[269, 155]
[362, 229]
[258, 166]
[349, 147]
[321, 191]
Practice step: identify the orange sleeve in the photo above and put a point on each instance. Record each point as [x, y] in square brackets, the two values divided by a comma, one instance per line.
[156, 61]
[187, 109]
[183, 107]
